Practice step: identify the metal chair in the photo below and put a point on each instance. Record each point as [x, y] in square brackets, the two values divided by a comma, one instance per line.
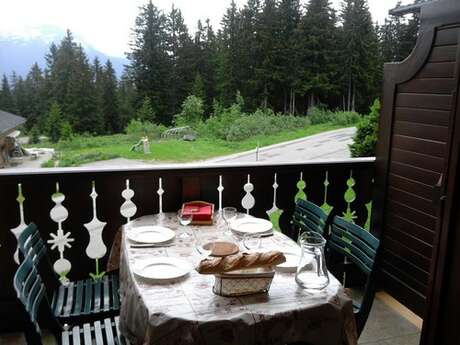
[32, 293]
[360, 248]
[82, 300]
[308, 217]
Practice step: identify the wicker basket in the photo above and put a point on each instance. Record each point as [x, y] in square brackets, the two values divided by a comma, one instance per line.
[243, 282]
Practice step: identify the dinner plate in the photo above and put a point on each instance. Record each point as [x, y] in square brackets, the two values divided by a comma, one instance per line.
[151, 234]
[251, 225]
[162, 268]
[290, 265]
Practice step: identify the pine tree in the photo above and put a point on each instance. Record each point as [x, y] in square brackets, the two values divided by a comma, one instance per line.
[360, 56]
[109, 107]
[317, 42]
[146, 111]
[205, 61]
[20, 98]
[126, 96]
[228, 64]
[247, 50]
[54, 122]
[289, 12]
[150, 64]
[268, 37]
[69, 81]
[81, 102]
[6, 97]
[37, 100]
[180, 51]
[398, 37]
[198, 87]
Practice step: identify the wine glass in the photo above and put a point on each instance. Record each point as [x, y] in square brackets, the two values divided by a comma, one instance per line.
[185, 219]
[229, 214]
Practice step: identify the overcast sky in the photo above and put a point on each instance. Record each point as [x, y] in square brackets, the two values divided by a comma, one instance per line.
[105, 24]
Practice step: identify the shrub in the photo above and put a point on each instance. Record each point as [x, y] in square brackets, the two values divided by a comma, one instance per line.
[56, 126]
[34, 135]
[137, 128]
[218, 125]
[320, 115]
[146, 112]
[66, 132]
[192, 112]
[345, 118]
[232, 125]
[365, 140]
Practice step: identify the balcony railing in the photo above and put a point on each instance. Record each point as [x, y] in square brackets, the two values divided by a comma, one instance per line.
[79, 210]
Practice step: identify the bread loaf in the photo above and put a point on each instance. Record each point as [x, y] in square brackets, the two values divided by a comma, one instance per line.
[240, 261]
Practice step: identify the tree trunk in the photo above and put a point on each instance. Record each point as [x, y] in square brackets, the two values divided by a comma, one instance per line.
[285, 102]
[265, 100]
[354, 97]
[349, 94]
[293, 101]
[312, 100]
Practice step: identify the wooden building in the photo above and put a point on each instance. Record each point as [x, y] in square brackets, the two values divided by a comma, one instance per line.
[8, 124]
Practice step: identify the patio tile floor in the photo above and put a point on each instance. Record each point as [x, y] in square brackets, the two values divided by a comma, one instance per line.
[386, 326]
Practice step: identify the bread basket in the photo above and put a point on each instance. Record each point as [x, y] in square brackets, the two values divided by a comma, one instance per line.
[243, 282]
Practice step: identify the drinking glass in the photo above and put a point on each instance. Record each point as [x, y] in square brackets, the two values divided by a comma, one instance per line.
[252, 242]
[312, 271]
[229, 214]
[203, 242]
[184, 220]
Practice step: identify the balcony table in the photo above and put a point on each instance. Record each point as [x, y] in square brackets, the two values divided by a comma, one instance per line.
[187, 312]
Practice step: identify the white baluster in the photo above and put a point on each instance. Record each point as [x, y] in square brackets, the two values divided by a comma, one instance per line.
[248, 200]
[274, 213]
[22, 224]
[96, 248]
[160, 193]
[128, 209]
[220, 189]
[274, 207]
[60, 240]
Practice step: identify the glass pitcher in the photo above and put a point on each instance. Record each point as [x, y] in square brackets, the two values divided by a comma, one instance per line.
[312, 271]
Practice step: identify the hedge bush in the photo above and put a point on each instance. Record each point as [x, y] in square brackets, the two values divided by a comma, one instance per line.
[365, 140]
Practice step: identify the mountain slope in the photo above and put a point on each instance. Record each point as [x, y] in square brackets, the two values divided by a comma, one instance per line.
[20, 53]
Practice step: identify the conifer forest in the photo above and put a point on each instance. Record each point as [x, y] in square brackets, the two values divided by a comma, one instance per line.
[282, 55]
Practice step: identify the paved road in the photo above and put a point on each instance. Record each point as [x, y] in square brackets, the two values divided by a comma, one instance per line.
[327, 145]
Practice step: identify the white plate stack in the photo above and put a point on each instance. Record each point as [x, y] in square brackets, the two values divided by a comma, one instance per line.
[251, 226]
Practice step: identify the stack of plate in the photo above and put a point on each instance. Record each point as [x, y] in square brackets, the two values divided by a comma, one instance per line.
[157, 269]
[151, 234]
[251, 226]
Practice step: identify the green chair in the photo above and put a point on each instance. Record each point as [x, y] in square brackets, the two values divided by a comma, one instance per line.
[32, 293]
[82, 300]
[308, 217]
[361, 249]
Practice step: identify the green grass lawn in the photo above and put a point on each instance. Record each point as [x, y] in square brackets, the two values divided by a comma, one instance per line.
[89, 149]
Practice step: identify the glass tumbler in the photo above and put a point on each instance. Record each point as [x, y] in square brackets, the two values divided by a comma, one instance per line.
[311, 270]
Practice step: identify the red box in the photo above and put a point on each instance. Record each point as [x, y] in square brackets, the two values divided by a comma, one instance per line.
[201, 211]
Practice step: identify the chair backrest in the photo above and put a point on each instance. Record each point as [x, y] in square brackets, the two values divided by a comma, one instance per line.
[361, 248]
[31, 292]
[31, 245]
[309, 217]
